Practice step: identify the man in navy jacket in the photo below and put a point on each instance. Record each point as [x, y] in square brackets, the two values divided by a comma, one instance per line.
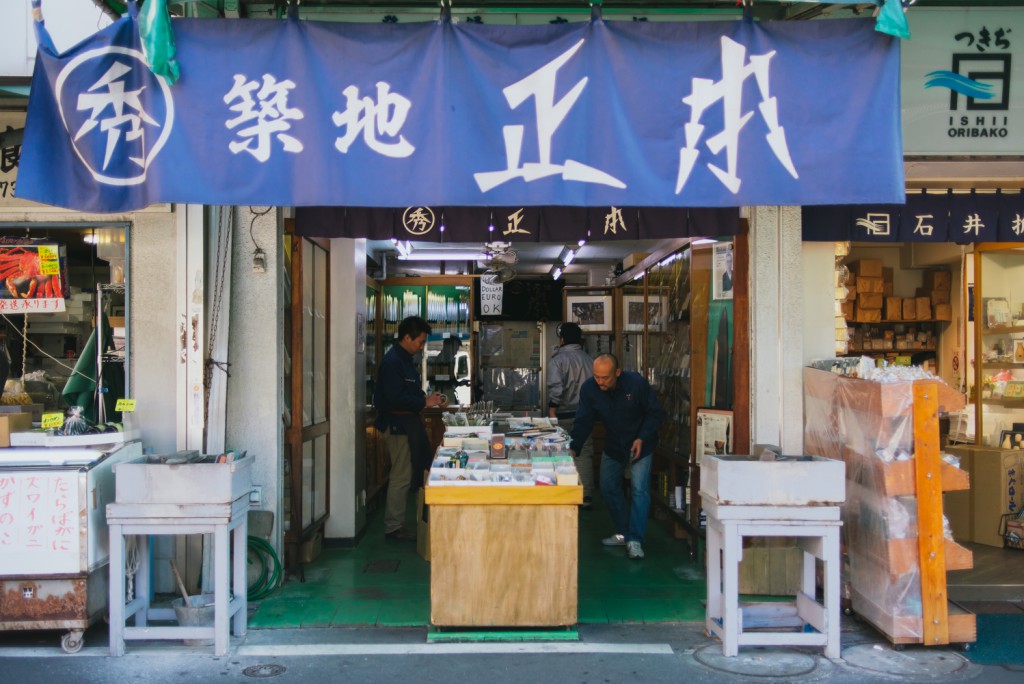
[626, 404]
[399, 400]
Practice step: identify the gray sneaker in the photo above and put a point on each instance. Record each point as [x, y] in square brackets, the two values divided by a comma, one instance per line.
[634, 551]
[614, 540]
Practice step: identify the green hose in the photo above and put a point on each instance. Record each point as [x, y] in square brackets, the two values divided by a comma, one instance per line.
[270, 569]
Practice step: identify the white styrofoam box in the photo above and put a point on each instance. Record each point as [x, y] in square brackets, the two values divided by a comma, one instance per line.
[185, 483]
[46, 438]
[796, 481]
[462, 430]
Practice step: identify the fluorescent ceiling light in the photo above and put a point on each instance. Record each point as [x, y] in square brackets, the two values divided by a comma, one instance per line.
[567, 255]
[442, 255]
[556, 272]
[704, 241]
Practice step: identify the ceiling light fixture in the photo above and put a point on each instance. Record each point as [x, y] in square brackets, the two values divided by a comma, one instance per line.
[556, 272]
[442, 255]
[567, 255]
[703, 241]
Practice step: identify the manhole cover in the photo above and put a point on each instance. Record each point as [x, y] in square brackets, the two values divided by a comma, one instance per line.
[776, 663]
[911, 662]
[261, 671]
[381, 566]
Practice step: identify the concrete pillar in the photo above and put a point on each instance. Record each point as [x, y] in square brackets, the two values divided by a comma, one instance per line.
[819, 266]
[255, 399]
[776, 318]
[347, 389]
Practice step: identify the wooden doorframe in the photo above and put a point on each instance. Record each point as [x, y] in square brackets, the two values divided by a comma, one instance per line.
[296, 435]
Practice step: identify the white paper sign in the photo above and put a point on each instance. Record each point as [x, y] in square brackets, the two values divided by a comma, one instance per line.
[490, 298]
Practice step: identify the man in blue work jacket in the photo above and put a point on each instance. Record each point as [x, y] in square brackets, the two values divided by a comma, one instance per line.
[399, 400]
[625, 403]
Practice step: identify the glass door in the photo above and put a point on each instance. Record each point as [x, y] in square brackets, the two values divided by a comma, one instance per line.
[306, 371]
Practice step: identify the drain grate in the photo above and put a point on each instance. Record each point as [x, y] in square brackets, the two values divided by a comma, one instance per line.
[263, 671]
[380, 567]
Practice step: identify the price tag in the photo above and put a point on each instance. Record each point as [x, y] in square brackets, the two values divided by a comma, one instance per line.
[47, 253]
[125, 405]
[53, 420]
[49, 267]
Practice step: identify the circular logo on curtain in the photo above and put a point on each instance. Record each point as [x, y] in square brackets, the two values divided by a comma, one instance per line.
[118, 113]
[418, 220]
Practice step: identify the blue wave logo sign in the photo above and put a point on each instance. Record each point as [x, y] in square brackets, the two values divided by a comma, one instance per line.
[960, 84]
[983, 81]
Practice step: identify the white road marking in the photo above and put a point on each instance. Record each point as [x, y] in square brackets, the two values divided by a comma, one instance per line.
[450, 649]
[306, 650]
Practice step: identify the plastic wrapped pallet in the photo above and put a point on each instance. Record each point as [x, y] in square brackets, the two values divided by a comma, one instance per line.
[870, 425]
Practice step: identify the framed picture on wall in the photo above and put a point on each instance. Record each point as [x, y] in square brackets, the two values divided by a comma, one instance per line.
[633, 311]
[593, 313]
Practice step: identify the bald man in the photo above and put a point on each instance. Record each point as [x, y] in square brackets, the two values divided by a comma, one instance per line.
[625, 403]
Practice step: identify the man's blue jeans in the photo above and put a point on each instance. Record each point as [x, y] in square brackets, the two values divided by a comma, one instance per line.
[632, 523]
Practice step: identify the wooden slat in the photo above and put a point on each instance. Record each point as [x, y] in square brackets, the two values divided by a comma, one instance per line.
[963, 626]
[700, 295]
[741, 341]
[932, 552]
[504, 496]
[898, 478]
[903, 556]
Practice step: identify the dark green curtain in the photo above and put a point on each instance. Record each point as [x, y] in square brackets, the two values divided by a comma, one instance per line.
[81, 387]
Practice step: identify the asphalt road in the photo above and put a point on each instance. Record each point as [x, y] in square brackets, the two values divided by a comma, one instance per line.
[604, 654]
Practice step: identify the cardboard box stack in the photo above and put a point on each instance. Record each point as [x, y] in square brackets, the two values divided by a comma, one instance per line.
[937, 287]
[871, 298]
[870, 288]
[976, 515]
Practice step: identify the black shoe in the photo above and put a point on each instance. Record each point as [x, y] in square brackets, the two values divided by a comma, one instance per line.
[401, 534]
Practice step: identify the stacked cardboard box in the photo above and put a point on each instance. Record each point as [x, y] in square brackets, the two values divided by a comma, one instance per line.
[937, 287]
[976, 515]
[870, 286]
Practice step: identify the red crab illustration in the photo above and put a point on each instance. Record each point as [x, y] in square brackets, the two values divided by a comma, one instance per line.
[19, 270]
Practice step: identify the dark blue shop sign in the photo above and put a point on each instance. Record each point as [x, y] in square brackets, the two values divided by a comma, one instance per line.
[301, 113]
[962, 218]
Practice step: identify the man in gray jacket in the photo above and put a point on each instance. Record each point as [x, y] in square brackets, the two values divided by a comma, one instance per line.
[569, 367]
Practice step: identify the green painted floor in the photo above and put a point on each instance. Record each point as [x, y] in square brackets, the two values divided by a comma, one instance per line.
[385, 583]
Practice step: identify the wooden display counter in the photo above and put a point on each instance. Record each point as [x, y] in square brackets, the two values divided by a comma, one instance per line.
[503, 556]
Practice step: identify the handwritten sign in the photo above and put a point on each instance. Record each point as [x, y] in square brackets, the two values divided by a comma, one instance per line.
[490, 298]
[47, 252]
[52, 420]
[125, 405]
[39, 526]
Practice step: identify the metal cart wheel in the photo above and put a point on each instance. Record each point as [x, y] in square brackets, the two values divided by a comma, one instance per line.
[72, 641]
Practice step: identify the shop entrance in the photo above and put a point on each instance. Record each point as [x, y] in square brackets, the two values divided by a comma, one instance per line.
[371, 580]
